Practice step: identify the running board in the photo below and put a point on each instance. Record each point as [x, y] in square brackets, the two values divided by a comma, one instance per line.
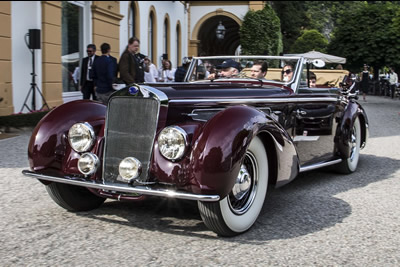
[319, 165]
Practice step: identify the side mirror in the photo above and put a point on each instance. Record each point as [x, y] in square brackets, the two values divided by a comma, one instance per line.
[318, 63]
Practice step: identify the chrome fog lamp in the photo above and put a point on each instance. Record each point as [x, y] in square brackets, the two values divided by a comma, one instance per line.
[81, 137]
[172, 142]
[130, 168]
[88, 163]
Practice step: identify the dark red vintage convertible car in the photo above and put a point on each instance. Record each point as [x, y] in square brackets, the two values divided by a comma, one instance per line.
[218, 140]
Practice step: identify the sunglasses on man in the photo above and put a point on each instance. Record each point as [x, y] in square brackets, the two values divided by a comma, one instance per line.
[286, 71]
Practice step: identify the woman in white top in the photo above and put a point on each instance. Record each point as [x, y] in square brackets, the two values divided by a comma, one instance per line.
[152, 75]
[166, 73]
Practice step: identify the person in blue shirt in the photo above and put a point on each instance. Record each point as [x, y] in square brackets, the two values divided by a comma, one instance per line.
[104, 74]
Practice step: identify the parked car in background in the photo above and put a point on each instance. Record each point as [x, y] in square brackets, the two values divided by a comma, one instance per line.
[220, 141]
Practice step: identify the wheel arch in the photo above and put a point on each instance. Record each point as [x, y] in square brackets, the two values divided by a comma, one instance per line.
[224, 140]
[49, 151]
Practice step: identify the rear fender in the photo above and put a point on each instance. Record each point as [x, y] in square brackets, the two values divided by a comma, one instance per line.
[352, 111]
[49, 151]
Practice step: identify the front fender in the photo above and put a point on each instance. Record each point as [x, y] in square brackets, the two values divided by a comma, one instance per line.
[48, 150]
[220, 147]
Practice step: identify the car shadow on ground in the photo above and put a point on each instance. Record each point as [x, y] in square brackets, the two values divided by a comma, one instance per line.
[305, 206]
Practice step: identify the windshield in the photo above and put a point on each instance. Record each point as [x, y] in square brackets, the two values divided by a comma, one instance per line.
[263, 68]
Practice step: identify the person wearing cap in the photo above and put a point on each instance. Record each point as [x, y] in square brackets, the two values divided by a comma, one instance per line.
[229, 69]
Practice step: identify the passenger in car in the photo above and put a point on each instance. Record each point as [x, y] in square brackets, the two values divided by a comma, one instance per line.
[287, 73]
[259, 70]
[313, 80]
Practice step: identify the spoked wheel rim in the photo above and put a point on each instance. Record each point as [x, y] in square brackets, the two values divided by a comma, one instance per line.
[244, 191]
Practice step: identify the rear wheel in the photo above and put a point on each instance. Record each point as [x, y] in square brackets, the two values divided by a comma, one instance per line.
[73, 198]
[238, 211]
[349, 164]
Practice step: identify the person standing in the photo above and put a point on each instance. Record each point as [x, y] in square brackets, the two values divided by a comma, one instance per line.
[131, 63]
[365, 82]
[180, 72]
[150, 76]
[104, 74]
[86, 82]
[167, 73]
[393, 80]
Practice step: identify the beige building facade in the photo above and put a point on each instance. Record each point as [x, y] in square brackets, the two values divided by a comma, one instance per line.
[172, 28]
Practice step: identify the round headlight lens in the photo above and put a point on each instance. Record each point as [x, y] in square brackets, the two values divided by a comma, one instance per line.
[172, 142]
[88, 163]
[81, 137]
[130, 168]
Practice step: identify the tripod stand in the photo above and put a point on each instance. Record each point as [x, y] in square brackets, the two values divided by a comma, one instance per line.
[33, 88]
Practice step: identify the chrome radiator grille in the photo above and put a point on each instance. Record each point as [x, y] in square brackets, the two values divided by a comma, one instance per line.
[130, 131]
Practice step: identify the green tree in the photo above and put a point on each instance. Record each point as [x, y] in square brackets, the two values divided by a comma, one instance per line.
[293, 20]
[260, 33]
[368, 34]
[308, 41]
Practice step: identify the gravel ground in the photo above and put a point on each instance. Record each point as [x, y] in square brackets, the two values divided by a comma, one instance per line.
[320, 219]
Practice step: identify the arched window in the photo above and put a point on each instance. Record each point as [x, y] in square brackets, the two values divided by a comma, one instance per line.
[178, 45]
[132, 20]
[166, 38]
[151, 37]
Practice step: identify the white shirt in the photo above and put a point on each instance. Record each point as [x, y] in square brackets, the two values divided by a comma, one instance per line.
[89, 67]
[152, 75]
[165, 74]
[393, 79]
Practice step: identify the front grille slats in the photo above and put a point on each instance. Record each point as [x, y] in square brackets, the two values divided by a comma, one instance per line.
[130, 131]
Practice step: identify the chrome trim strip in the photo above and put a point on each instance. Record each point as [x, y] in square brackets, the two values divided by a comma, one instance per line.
[137, 189]
[319, 165]
[256, 100]
[251, 57]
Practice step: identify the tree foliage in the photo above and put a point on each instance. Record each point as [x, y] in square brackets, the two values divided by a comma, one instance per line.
[260, 33]
[368, 34]
[293, 20]
[308, 41]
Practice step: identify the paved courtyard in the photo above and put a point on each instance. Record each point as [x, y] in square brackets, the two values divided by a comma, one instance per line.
[320, 219]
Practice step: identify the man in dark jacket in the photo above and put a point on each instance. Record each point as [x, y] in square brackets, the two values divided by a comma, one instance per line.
[86, 82]
[131, 67]
[104, 74]
[180, 72]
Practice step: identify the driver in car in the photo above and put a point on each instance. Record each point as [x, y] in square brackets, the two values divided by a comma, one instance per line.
[229, 69]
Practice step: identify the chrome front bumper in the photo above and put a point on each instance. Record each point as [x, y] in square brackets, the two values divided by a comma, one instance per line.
[144, 190]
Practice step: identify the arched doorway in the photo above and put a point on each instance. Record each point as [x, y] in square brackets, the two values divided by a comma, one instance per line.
[210, 45]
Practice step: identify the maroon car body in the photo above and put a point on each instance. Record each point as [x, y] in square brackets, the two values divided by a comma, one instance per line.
[223, 123]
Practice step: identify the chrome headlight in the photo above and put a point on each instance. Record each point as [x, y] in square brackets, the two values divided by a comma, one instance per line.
[88, 163]
[130, 168]
[81, 137]
[172, 142]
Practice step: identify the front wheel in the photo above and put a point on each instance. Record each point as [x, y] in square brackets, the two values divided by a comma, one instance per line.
[349, 165]
[238, 211]
[73, 198]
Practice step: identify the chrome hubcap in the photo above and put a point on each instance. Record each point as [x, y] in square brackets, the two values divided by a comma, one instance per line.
[243, 183]
[353, 144]
[244, 191]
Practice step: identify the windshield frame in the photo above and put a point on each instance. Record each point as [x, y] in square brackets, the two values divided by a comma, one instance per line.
[293, 84]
